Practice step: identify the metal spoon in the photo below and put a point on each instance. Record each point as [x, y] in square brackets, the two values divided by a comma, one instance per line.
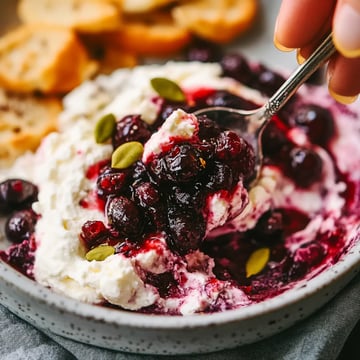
[250, 123]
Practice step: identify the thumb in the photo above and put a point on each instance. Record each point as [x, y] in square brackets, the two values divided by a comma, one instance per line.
[346, 28]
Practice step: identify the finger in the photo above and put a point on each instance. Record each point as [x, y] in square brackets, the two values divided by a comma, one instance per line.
[299, 22]
[304, 52]
[343, 77]
[346, 25]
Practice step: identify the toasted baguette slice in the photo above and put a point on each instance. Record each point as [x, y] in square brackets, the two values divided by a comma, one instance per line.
[43, 58]
[80, 15]
[142, 6]
[24, 121]
[214, 20]
[151, 34]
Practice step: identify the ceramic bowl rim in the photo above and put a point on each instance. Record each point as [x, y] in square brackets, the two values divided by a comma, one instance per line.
[350, 261]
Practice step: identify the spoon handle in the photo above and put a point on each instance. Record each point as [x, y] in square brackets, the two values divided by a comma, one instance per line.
[299, 76]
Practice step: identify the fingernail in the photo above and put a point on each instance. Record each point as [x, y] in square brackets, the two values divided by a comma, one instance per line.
[347, 31]
[300, 59]
[277, 43]
[342, 99]
[281, 47]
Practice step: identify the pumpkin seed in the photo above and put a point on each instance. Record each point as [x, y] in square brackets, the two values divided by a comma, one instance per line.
[167, 89]
[257, 261]
[100, 253]
[126, 154]
[104, 128]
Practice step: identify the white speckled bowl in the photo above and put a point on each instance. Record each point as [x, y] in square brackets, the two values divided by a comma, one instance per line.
[155, 334]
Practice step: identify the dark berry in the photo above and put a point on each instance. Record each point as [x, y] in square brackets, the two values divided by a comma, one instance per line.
[270, 226]
[182, 163]
[228, 146]
[166, 109]
[21, 257]
[130, 128]
[204, 52]
[274, 141]
[165, 283]
[316, 121]
[111, 182]
[267, 81]
[186, 196]
[16, 193]
[304, 167]
[139, 173]
[187, 230]
[20, 225]
[234, 149]
[221, 177]
[312, 254]
[93, 233]
[227, 99]
[208, 129]
[236, 66]
[147, 194]
[125, 216]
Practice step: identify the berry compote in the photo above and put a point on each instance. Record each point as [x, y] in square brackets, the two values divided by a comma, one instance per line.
[172, 219]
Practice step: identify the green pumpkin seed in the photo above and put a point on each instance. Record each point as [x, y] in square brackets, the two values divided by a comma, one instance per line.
[104, 128]
[100, 253]
[167, 89]
[126, 154]
[257, 261]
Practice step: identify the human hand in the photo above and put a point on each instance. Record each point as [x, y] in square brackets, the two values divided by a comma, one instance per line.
[302, 24]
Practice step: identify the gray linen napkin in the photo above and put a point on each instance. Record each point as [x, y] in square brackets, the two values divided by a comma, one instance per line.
[321, 336]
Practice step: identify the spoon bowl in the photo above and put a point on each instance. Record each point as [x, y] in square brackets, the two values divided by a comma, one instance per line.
[250, 124]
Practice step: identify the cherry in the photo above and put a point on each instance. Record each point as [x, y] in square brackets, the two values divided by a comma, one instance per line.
[208, 129]
[16, 193]
[222, 176]
[304, 166]
[20, 225]
[203, 51]
[228, 145]
[111, 182]
[270, 226]
[267, 81]
[237, 67]
[231, 147]
[274, 142]
[182, 163]
[316, 121]
[130, 128]
[125, 216]
[227, 99]
[21, 257]
[187, 230]
[93, 233]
